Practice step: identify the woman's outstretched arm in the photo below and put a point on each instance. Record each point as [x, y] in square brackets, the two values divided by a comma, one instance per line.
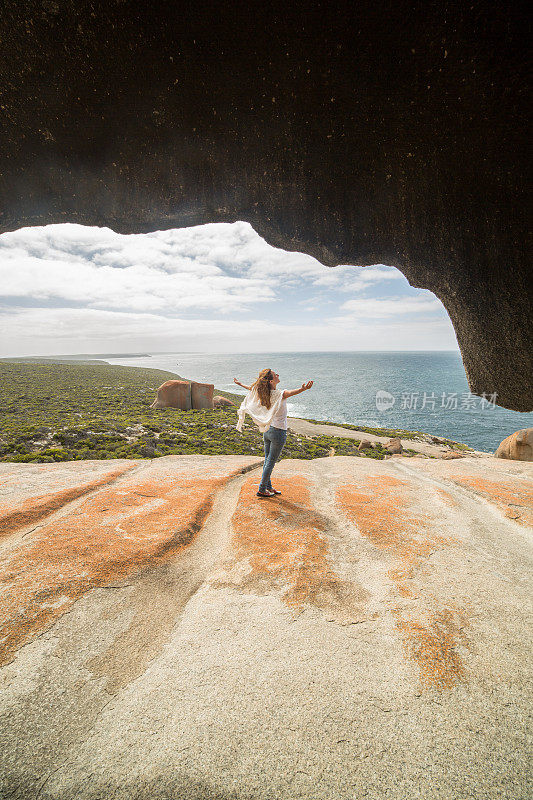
[291, 392]
[241, 384]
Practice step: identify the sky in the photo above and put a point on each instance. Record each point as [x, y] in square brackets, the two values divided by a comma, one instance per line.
[67, 289]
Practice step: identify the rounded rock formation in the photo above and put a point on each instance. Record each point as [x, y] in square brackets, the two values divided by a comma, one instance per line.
[518, 446]
[222, 402]
[394, 446]
[202, 395]
[184, 395]
[173, 394]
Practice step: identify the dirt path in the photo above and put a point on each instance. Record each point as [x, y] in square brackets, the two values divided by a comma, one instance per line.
[306, 428]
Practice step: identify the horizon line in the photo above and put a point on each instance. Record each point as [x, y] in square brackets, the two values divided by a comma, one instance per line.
[214, 352]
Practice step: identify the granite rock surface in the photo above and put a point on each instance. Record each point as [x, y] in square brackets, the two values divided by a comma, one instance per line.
[166, 633]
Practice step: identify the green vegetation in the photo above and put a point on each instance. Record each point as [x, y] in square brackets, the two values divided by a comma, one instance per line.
[64, 412]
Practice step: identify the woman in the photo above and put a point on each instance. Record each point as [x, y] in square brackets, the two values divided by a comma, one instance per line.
[267, 406]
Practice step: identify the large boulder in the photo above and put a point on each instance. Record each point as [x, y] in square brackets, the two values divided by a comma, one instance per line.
[518, 446]
[173, 394]
[222, 402]
[184, 395]
[202, 395]
[394, 446]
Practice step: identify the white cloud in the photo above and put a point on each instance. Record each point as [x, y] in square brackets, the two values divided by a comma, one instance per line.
[106, 270]
[222, 267]
[347, 278]
[194, 288]
[390, 306]
[58, 330]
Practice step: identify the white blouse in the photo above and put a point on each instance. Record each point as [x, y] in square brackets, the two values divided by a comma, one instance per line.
[261, 415]
[279, 420]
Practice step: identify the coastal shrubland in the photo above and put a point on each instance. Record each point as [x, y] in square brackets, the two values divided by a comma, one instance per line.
[73, 411]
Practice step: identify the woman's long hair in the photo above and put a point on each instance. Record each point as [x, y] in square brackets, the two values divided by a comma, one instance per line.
[262, 387]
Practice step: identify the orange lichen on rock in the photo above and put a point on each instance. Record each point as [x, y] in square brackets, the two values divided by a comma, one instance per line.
[107, 538]
[34, 509]
[448, 499]
[514, 499]
[433, 645]
[381, 510]
[284, 544]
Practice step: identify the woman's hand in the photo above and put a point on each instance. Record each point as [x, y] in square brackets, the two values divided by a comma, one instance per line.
[237, 382]
[292, 392]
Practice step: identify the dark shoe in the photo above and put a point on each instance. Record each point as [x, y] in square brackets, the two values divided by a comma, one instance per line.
[266, 494]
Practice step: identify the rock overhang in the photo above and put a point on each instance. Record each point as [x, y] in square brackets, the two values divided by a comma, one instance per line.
[355, 134]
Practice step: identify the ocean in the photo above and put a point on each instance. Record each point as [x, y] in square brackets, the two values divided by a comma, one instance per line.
[425, 391]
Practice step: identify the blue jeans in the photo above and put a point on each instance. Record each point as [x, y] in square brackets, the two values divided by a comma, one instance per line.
[273, 439]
